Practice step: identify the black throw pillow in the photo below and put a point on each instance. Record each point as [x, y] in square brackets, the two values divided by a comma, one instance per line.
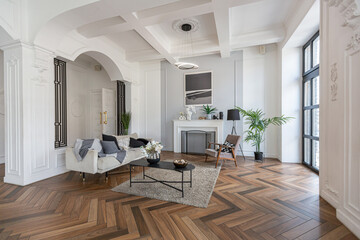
[109, 138]
[135, 143]
[109, 147]
[143, 140]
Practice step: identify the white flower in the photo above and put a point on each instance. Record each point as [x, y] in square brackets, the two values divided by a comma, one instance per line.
[152, 148]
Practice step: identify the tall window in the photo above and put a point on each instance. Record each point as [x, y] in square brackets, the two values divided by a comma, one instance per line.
[311, 103]
[60, 103]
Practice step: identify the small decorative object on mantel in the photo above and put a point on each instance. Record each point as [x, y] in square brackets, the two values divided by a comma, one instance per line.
[189, 111]
[180, 163]
[182, 116]
[208, 110]
[202, 118]
[152, 151]
[221, 115]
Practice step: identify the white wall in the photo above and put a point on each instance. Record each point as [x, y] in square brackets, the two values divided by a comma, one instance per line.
[247, 79]
[81, 79]
[227, 91]
[291, 104]
[339, 110]
[148, 101]
[29, 88]
[261, 91]
[300, 27]
[2, 110]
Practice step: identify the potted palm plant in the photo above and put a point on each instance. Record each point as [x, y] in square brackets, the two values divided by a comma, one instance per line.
[125, 120]
[257, 127]
[208, 111]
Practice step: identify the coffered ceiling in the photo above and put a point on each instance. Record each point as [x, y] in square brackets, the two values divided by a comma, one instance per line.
[223, 26]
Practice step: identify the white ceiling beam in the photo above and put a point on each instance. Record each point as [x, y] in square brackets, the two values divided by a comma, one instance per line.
[175, 11]
[222, 22]
[264, 37]
[156, 43]
[143, 55]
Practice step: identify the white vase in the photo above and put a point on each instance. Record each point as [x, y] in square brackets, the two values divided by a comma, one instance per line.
[208, 117]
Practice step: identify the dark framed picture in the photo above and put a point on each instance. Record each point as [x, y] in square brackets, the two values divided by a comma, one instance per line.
[198, 88]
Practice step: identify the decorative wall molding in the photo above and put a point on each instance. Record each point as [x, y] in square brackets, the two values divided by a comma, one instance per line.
[13, 129]
[354, 43]
[350, 10]
[351, 132]
[42, 61]
[333, 84]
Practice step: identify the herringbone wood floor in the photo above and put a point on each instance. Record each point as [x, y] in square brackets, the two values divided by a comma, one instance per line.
[253, 201]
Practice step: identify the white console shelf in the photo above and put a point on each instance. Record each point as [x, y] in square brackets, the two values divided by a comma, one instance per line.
[203, 125]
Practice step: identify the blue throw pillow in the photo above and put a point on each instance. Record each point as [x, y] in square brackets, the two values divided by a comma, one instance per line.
[107, 138]
[109, 147]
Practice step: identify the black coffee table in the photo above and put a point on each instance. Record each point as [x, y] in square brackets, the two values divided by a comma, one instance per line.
[163, 165]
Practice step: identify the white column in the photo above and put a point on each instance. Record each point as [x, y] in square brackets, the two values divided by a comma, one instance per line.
[29, 114]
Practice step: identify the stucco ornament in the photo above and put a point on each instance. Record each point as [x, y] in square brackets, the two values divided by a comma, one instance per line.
[333, 84]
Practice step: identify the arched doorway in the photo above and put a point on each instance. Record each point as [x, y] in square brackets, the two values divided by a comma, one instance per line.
[92, 96]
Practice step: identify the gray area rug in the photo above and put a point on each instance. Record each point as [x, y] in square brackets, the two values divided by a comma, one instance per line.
[204, 180]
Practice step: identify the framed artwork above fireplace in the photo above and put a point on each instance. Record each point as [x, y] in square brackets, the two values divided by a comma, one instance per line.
[198, 89]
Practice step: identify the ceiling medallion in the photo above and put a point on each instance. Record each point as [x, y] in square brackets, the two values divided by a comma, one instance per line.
[186, 27]
[193, 23]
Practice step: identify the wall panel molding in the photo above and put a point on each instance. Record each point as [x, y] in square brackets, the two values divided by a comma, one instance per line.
[13, 129]
[352, 126]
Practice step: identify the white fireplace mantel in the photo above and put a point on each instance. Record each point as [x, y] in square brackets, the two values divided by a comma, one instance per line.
[202, 125]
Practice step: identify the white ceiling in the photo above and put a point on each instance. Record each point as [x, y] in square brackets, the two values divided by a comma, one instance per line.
[224, 26]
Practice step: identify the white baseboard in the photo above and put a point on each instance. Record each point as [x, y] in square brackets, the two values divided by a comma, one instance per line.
[325, 195]
[349, 222]
[35, 178]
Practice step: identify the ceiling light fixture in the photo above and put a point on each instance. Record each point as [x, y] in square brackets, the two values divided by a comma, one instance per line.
[186, 27]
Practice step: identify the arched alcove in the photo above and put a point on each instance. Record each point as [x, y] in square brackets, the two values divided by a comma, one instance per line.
[107, 62]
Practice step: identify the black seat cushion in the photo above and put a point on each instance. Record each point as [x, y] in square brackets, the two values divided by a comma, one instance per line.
[109, 138]
[109, 147]
[136, 143]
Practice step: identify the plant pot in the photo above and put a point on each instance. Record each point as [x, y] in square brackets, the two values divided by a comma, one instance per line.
[153, 160]
[126, 131]
[258, 156]
[208, 116]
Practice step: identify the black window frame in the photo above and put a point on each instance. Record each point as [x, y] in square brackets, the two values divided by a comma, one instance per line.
[309, 76]
[121, 106]
[60, 103]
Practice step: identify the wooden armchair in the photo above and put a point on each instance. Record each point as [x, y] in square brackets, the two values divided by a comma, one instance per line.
[220, 154]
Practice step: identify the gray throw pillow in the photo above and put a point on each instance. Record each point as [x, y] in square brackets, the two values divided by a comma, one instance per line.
[109, 147]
